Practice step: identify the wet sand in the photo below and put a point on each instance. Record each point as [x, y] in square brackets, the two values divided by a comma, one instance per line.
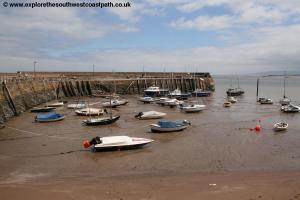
[39, 159]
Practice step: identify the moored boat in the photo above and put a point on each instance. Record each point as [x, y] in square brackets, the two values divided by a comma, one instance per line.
[285, 101]
[101, 121]
[265, 101]
[116, 143]
[201, 93]
[290, 108]
[150, 115]
[235, 92]
[146, 99]
[232, 99]
[89, 112]
[227, 104]
[192, 108]
[42, 109]
[112, 103]
[169, 126]
[56, 104]
[49, 117]
[179, 95]
[154, 91]
[76, 106]
[281, 126]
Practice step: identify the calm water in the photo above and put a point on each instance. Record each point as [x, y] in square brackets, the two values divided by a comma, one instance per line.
[219, 140]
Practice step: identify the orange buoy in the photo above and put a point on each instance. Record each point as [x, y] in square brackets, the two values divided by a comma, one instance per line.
[257, 128]
[86, 144]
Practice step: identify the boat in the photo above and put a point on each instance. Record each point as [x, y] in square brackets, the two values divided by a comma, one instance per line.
[56, 104]
[76, 106]
[150, 115]
[179, 95]
[235, 92]
[192, 108]
[285, 100]
[49, 117]
[89, 112]
[265, 101]
[122, 102]
[112, 103]
[170, 102]
[101, 121]
[290, 108]
[42, 109]
[281, 126]
[227, 104]
[232, 99]
[169, 126]
[116, 143]
[161, 101]
[201, 93]
[146, 99]
[155, 91]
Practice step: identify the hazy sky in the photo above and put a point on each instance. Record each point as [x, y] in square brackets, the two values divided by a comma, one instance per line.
[218, 36]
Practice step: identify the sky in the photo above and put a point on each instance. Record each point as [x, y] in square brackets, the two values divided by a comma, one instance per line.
[216, 36]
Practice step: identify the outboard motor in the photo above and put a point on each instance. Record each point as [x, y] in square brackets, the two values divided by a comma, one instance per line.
[94, 141]
[138, 115]
[186, 122]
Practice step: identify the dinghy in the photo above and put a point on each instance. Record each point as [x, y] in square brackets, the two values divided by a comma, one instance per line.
[192, 108]
[227, 104]
[150, 115]
[89, 112]
[146, 99]
[265, 101]
[281, 126]
[101, 121]
[57, 104]
[116, 143]
[169, 126]
[42, 109]
[232, 99]
[113, 103]
[76, 106]
[49, 117]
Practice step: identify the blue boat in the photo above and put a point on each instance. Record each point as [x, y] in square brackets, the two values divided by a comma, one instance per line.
[49, 117]
[201, 93]
[169, 126]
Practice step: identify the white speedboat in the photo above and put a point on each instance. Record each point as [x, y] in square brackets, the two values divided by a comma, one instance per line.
[89, 112]
[192, 108]
[76, 105]
[146, 99]
[150, 115]
[169, 126]
[281, 126]
[116, 142]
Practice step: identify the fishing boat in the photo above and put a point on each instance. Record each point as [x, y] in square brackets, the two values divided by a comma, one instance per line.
[201, 93]
[89, 112]
[179, 95]
[265, 101]
[155, 91]
[76, 106]
[42, 109]
[101, 121]
[116, 143]
[150, 115]
[169, 126]
[146, 99]
[281, 126]
[227, 104]
[232, 99]
[290, 108]
[192, 108]
[56, 104]
[49, 117]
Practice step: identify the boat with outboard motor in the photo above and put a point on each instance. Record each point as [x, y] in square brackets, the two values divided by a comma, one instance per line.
[169, 126]
[116, 143]
[49, 117]
[150, 115]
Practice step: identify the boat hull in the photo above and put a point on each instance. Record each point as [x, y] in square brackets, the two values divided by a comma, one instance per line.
[157, 129]
[101, 122]
[46, 109]
[49, 120]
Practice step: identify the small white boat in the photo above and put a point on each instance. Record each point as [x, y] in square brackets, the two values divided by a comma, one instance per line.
[150, 115]
[281, 126]
[290, 108]
[192, 108]
[56, 104]
[76, 106]
[169, 126]
[122, 102]
[116, 142]
[265, 101]
[285, 101]
[89, 112]
[146, 99]
[227, 104]
[232, 99]
[170, 102]
[114, 103]
[161, 101]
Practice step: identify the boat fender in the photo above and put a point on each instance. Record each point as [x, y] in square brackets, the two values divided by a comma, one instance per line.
[257, 128]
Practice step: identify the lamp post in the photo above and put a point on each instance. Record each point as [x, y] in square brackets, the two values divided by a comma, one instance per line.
[34, 63]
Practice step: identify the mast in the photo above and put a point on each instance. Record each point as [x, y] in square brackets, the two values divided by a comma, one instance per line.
[284, 85]
[257, 86]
